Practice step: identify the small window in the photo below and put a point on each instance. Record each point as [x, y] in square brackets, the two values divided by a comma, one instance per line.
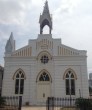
[72, 76]
[67, 75]
[44, 77]
[22, 76]
[16, 86]
[44, 59]
[17, 76]
[67, 87]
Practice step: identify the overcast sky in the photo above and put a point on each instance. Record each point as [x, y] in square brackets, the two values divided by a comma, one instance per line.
[72, 22]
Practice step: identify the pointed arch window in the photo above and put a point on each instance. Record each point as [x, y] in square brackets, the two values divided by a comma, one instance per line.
[44, 77]
[70, 83]
[19, 83]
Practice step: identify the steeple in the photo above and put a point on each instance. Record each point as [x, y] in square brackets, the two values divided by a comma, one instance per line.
[46, 8]
[10, 45]
[45, 19]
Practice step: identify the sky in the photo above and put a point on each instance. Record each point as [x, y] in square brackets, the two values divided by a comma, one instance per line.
[72, 22]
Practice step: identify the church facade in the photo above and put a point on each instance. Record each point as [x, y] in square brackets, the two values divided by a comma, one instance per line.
[44, 68]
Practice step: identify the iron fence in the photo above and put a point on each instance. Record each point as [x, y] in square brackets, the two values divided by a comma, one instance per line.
[12, 103]
[68, 104]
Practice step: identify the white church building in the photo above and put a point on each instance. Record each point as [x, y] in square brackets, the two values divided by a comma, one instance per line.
[44, 68]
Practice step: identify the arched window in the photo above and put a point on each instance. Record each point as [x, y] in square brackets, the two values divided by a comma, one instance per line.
[19, 83]
[44, 77]
[70, 83]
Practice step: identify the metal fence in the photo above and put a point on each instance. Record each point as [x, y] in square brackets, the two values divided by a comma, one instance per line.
[12, 103]
[68, 104]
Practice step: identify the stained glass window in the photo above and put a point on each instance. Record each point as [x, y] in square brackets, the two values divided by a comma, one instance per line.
[44, 59]
[44, 77]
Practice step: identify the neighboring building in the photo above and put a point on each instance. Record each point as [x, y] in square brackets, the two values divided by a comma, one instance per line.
[45, 67]
[90, 80]
[90, 76]
[90, 84]
[1, 78]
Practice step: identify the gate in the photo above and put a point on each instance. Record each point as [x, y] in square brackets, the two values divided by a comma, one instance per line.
[12, 103]
[68, 104]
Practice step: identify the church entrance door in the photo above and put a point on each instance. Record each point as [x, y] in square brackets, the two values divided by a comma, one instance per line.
[43, 92]
[43, 87]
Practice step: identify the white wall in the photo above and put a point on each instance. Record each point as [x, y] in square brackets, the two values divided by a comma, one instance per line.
[56, 67]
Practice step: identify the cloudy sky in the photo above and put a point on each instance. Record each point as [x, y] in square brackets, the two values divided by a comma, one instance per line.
[72, 22]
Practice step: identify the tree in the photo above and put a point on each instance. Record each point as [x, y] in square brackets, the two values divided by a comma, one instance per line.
[90, 90]
[2, 101]
[84, 104]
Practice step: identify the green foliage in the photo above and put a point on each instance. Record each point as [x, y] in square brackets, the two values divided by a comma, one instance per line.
[90, 90]
[83, 104]
[2, 101]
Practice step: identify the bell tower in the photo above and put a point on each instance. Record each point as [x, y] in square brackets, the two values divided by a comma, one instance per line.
[45, 19]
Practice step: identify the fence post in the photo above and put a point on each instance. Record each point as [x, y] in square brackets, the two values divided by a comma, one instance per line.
[52, 103]
[48, 104]
[20, 102]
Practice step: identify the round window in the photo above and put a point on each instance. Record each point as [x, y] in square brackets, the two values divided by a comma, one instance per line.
[44, 59]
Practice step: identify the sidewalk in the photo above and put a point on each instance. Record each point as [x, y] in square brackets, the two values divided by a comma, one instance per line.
[33, 108]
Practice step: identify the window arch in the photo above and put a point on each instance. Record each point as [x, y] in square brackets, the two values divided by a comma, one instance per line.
[70, 77]
[46, 29]
[19, 77]
[44, 76]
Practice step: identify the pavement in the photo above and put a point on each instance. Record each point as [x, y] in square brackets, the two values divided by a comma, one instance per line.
[33, 108]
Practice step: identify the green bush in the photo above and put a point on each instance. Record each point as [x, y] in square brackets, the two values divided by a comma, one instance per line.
[84, 104]
[90, 90]
[2, 101]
